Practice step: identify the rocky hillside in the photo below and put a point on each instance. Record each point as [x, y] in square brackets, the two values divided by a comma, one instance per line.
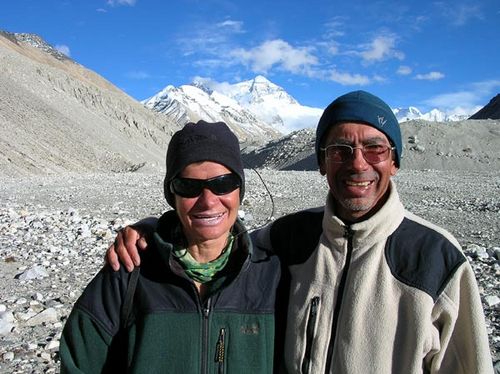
[462, 145]
[294, 151]
[490, 111]
[56, 115]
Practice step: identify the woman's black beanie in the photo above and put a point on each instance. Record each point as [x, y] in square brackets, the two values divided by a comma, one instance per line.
[202, 141]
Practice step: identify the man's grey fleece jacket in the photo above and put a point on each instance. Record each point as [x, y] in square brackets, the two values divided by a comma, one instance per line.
[391, 294]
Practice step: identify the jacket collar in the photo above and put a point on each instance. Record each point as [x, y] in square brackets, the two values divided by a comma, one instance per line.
[169, 232]
[380, 225]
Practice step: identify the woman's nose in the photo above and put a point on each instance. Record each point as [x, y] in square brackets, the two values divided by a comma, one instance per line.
[207, 197]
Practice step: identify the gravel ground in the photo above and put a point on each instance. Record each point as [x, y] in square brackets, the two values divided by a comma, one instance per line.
[54, 231]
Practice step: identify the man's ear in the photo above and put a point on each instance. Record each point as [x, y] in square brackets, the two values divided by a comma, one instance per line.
[322, 165]
[394, 169]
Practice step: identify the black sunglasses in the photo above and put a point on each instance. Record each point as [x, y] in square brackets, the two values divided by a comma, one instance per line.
[220, 185]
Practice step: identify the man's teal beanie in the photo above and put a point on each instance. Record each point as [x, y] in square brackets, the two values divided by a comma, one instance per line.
[362, 107]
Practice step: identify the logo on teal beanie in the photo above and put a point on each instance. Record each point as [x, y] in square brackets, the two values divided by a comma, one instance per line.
[362, 107]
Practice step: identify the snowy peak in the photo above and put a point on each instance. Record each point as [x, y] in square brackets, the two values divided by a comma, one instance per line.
[259, 90]
[257, 110]
[254, 109]
[272, 104]
[436, 115]
[407, 114]
[190, 103]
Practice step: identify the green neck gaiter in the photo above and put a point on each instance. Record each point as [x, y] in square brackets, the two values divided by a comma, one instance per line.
[203, 273]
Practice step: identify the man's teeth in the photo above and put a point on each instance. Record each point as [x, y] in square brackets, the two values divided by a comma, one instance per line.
[358, 184]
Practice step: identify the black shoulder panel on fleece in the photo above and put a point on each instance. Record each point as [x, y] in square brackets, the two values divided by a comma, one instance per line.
[295, 236]
[422, 258]
[103, 297]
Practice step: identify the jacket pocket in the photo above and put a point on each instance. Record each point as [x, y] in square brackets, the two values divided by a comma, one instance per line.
[310, 327]
[220, 351]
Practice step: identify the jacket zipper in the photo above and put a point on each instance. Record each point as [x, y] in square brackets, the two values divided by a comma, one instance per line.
[311, 323]
[220, 351]
[205, 336]
[340, 295]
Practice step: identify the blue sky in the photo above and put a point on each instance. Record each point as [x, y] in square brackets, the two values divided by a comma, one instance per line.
[429, 54]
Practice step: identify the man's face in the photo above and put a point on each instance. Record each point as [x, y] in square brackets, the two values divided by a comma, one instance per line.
[358, 187]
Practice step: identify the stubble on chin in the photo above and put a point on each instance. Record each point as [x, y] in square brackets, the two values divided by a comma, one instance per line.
[356, 206]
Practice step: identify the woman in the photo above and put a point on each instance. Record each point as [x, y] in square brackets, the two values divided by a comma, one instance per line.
[204, 299]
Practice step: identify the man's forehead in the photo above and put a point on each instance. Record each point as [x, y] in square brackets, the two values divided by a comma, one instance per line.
[347, 130]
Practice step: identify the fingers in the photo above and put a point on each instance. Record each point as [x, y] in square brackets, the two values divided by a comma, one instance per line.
[112, 258]
[121, 248]
[125, 248]
[142, 244]
[129, 253]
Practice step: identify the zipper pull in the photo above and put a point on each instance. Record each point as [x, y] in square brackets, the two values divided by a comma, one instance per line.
[314, 305]
[206, 308]
[220, 349]
[348, 232]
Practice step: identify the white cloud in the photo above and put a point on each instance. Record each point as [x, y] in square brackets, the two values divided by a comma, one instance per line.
[431, 76]
[381, 48]
[211, 41]
[486, 87]
[348, 79]
[330, 46]
[276, 53]
[404, 70]
[222, 87]
[461, 111]
[138, 74]
[101, 10]
[466, 101]
[64, 49]
[236, 26]
[121, 2]
[460, 14]
[335, 28]
[453, 99]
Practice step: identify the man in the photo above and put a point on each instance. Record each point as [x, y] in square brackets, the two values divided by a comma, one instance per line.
[374, 288]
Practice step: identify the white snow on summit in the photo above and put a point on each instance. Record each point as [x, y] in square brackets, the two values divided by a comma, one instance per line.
[257, 108]
[268, 102]
[407, 114]
[190, 103]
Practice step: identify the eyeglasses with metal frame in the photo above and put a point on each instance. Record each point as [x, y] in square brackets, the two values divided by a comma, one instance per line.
[372, 153]
[190, 187]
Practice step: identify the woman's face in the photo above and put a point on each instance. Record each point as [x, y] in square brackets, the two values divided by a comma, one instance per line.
[207, 217]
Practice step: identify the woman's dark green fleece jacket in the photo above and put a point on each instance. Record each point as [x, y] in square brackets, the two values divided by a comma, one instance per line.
[172, 330]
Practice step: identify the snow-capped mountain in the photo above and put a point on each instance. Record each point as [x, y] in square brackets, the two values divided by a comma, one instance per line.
[255, 109]
[436, 115]
[194, 102]
[269, 102]
[407, 114]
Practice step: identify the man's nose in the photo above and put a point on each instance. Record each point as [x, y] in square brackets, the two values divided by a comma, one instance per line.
[358, 161]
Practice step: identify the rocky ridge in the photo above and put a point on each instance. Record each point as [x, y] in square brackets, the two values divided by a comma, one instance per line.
[461, 145]
[56, 115]
[490, 111]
